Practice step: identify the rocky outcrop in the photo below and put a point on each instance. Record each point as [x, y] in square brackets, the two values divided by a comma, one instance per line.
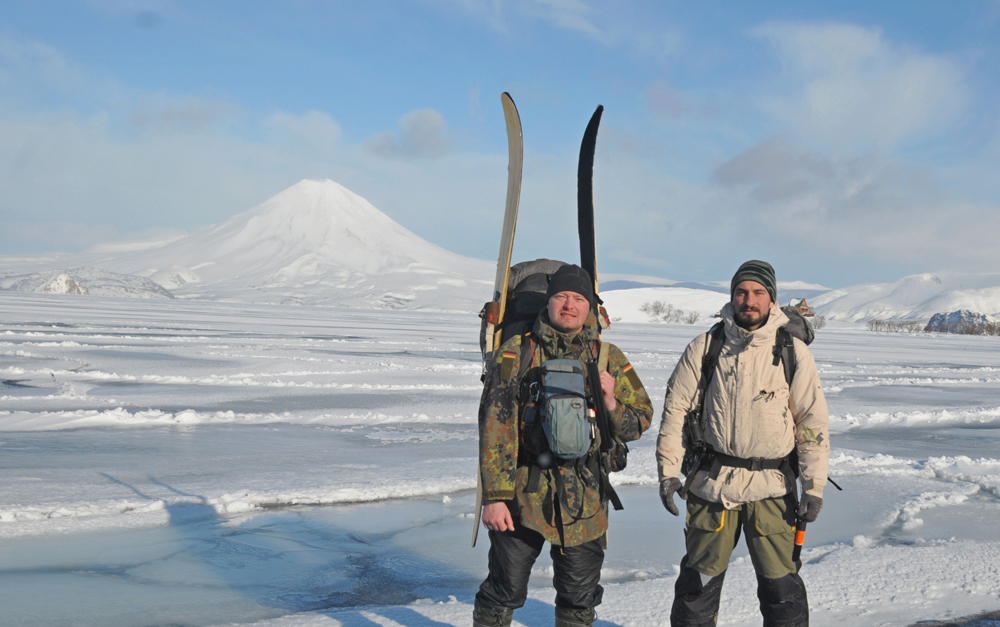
[962, 321]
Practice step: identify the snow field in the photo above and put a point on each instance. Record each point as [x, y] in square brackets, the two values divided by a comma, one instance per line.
[213, 441]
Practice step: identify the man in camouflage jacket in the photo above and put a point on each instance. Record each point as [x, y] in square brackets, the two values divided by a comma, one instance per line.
[574, 519]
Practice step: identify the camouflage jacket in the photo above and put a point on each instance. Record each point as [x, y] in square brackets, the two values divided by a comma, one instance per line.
[507, 448]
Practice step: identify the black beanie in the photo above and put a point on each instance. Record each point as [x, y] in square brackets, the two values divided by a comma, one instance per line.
[571, 278]
[758, 271]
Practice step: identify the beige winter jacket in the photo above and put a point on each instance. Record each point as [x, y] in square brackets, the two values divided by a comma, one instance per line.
[749, 412]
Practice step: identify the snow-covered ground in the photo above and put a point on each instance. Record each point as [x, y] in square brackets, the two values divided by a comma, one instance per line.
[205, 463]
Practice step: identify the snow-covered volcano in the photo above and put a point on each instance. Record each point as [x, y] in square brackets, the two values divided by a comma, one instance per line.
[314, 243]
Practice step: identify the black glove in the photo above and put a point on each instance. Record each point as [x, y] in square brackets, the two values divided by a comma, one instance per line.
[809, 507]
[667, 488]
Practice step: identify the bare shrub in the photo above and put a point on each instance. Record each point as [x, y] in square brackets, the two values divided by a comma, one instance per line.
[654, 309]
[818, 322]
[991, 328]
[659, 310]
[895, 326]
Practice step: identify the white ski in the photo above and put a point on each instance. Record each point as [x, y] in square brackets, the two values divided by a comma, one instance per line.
[495, 310]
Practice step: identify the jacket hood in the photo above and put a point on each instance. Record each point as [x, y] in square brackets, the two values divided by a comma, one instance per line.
[556, 343]
[764, 335]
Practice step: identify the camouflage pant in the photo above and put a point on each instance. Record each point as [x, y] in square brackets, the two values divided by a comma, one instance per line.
[711, 535]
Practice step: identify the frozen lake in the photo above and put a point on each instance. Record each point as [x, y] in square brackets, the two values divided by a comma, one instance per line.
[188, 463]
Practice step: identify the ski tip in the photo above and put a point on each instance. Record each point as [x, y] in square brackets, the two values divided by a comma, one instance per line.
[596, 118]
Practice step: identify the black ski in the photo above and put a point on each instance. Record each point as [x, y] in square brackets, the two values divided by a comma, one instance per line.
[585, 197]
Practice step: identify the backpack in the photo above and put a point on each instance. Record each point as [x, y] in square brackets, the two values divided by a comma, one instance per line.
[527, 285]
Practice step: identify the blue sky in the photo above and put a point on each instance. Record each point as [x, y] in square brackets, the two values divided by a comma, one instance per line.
[846, 142]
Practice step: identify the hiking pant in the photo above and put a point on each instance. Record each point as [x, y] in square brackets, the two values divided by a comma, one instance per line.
[513, 553]
[711, 534]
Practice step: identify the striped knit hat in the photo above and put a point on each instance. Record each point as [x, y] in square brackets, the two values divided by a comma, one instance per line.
[758, 271]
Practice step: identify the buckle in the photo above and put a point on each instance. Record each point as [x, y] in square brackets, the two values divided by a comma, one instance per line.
[756, 463]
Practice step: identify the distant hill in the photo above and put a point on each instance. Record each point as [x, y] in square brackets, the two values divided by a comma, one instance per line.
[84, 281]
[916, 297]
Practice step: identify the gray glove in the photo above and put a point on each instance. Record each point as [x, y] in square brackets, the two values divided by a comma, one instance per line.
[809, 507]
[667, 488]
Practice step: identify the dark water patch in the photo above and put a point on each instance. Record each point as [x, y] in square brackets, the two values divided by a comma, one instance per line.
[949, 441]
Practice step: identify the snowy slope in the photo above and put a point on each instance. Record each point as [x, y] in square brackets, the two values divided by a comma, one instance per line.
[625, 305]
[916, 297]
[314, 243]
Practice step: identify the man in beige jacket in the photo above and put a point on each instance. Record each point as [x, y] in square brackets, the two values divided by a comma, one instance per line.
[758, 433]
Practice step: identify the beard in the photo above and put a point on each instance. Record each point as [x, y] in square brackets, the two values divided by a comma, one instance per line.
[750, 316]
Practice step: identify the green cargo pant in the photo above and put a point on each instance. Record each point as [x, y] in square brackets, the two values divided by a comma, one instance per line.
[712, 532]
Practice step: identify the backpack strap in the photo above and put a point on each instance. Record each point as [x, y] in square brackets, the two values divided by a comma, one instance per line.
[603, 419]
[784, 353]
[602, 357]
[527, 356]
[696, 449]
[717, 337]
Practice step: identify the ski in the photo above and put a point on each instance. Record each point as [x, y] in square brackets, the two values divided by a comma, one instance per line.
[585, 205]
[494, 311]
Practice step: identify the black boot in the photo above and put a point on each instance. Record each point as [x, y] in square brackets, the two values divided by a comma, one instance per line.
[569, 617]
[783, 601]
[490, 617]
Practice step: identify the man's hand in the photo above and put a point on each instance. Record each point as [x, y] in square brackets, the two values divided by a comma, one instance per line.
[809, 507]
[496, 516]
[608, 387]
[667, 488]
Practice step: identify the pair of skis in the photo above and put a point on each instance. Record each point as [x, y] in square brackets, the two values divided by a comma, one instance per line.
[496, 309]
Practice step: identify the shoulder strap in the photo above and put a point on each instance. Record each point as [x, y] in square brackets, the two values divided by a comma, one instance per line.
[784, 352]
[716, 338]
[602, 357]
[527, 355]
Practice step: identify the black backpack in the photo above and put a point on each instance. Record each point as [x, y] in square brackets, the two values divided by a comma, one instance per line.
[526, 288]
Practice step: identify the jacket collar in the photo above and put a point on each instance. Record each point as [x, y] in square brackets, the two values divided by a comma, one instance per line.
[555, 343]
[764, 335]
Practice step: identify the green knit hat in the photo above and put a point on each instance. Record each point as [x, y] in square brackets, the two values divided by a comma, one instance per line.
[758, 271]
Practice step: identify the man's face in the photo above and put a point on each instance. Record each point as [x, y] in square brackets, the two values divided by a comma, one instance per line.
[752, 303]
[568, 311]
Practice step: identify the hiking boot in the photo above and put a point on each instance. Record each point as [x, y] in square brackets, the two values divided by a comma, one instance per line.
[491, 617]
[570, 617]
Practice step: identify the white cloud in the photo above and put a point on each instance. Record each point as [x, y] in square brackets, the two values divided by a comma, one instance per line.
[422, 133]
[612, 23]
[314, 129]
[31, 66]
[665, 102]
[182, 114]
[568, 14]
[856, 206]
[849, 87]
[60, 235]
